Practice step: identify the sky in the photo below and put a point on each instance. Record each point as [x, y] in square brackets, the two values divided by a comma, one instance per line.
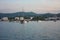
[38, 6]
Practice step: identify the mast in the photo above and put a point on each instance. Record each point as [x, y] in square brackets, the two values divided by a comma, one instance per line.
[23, 12]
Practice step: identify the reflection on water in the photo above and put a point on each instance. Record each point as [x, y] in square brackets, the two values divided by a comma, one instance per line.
[33, 30]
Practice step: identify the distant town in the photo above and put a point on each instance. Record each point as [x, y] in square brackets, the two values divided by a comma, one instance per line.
[29, 16]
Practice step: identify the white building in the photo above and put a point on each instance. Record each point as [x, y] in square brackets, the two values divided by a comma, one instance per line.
[16, 18]
[31, 17]
[21, 18]
[5, 19]
[52, 18]
[58, 18]
[0, 19]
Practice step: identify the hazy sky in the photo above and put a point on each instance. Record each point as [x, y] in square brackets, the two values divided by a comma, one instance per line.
[41, 6]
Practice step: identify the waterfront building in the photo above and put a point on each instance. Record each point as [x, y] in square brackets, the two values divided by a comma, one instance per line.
[52, 18]
[16, 18]
[21, 18]
[4, 19]
[31, 17]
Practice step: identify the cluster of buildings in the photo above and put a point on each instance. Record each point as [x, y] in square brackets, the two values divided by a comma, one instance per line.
[52, 18]
[16, 19]
[22, 19]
